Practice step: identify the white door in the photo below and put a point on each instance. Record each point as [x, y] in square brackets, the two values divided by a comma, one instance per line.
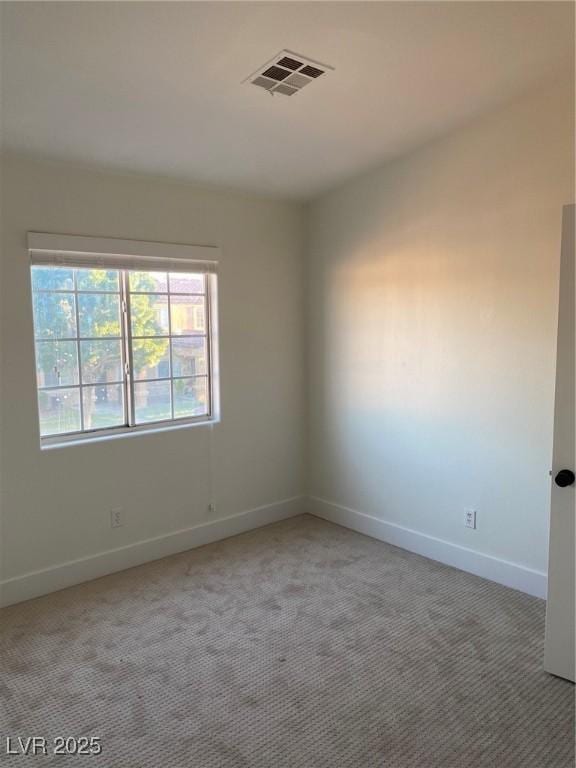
[559, 649]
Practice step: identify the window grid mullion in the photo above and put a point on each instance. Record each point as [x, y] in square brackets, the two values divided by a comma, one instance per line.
[208, 337]
[176, 337]
[129, 369]
[84, 386]
[80, 391]
[146, 381]
[71, 290]
[53, 340]
[170, 348]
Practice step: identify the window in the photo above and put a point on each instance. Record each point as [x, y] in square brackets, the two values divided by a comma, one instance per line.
[121, 349]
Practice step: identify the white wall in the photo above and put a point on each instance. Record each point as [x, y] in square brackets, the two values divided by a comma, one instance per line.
[432, 320]
[56, 503]
[431, 326]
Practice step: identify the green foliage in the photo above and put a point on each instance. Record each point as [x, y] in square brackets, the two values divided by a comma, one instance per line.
[55, 318]
[146, 352]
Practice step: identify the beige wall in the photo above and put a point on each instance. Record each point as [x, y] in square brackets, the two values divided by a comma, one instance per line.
[430, 327]
[56, 503]
[432, 321]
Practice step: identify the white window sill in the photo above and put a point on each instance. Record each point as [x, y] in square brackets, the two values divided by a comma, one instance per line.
[118, 433]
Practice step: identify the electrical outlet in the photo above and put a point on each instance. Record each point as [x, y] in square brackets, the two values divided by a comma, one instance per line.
[470, 518]
[211, 508]
[116, 517]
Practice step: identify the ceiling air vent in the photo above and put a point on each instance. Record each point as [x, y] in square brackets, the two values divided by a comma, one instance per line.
[287, 73]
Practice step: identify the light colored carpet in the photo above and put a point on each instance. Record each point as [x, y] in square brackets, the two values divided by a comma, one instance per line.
[299, 645]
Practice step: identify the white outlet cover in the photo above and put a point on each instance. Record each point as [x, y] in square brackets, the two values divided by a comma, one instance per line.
[470, 518]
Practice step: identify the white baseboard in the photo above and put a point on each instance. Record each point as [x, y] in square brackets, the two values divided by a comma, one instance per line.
[492, 568]
[42, 582]
[68, 574]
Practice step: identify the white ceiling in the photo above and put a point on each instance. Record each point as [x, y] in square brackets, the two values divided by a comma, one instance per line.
[156, 87]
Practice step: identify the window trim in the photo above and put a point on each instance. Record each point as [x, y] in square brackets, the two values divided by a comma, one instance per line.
[77, 250]
[125, 255]
[96, 435]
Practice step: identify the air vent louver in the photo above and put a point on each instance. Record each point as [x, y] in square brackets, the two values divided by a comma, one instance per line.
[264, 82]
[289, 63]
[312, 71]
[285, 90]
[287, 73]
[277, 73]
[297, 81]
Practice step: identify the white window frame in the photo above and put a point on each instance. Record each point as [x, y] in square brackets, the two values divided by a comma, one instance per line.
[113, 253]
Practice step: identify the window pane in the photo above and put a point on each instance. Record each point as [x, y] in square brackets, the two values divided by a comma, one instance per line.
[101, 361]
[149, 314]
[148, 282]
[189, 356]
[190, 397]
[99, 314]
[59, 411]
[186, 282]
[54, 316]
[151, 358]
[103, 406]
[97, 279]
[56, 363]
[52, 278]
[188, 315]
[152, 401]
